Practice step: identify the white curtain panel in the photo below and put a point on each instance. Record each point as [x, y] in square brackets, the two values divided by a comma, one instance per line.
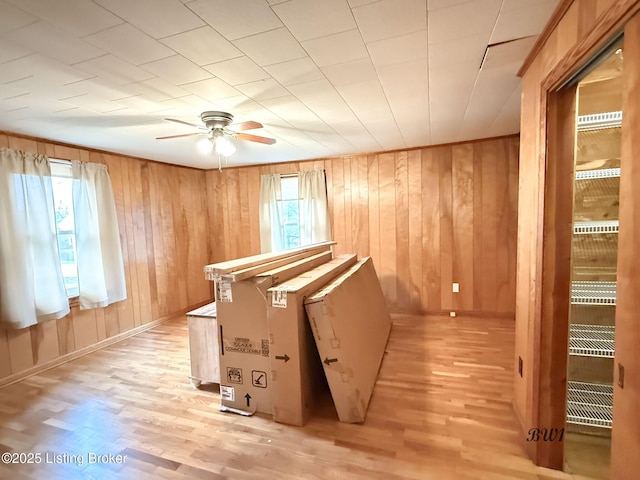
[270, 193]
[31, 283]
[101, 278]
[314, 213]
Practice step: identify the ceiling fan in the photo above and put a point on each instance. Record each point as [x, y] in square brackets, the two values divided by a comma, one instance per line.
[217, 133]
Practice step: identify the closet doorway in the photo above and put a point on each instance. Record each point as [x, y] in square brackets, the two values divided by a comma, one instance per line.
[594, 248]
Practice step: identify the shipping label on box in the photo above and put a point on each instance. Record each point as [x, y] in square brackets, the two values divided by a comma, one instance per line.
[246, 345]
[224, 291]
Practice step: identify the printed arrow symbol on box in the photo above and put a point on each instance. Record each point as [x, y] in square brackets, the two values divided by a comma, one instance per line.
[329, 361]
[284, 357]
[248, 397]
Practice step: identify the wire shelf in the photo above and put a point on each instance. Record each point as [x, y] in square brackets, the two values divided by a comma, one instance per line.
[590, 404]
[600, 173]
[592, 340]
[599, 121]
[600, 226]
[593, 293]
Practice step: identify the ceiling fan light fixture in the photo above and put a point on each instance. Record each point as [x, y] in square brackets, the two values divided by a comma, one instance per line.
[205, 146]
[223, 146]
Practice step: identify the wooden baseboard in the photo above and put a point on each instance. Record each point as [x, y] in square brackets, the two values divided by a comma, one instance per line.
[459, 313]
[16, 377]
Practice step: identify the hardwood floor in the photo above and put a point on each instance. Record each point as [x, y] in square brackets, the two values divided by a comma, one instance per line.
[441, 410]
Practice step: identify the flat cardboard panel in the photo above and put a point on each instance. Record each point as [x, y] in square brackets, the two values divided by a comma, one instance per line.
[351, 324]
[243, 335]
[296, 370]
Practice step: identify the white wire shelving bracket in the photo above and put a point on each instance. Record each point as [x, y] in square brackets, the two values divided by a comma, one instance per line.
[595, 227]
[599, 121]
[592, 340]
[593, 293]
[590, 404]
[600, 173]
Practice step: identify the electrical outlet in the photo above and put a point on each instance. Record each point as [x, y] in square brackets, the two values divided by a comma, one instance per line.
[520, 366]
[455, 288]
[452, 314]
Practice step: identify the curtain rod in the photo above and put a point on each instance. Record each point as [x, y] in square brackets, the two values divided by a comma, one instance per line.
[290, 175]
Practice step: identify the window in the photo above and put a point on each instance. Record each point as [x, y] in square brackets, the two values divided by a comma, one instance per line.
[293, 210]
[65, 227]
[290, 208]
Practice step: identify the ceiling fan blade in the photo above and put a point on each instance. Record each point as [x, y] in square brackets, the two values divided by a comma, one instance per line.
[175, 120]
[178, 136]
[255, 138]
[250, 125]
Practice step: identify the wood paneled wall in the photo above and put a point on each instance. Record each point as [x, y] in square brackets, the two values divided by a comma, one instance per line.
[164, 242]
[427, 217]
[577, 34]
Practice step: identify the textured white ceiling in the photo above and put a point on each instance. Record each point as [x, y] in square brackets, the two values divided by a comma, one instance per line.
[325, 78]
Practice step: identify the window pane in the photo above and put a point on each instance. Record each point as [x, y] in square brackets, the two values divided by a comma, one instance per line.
[291, 223]
[289, 186]
[62, 195]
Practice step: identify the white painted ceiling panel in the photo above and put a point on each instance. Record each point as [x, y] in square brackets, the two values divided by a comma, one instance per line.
[176, 70]
[336, 49]
[386, 134]
[295, 71]
[291, 110]
[202, 46]
[321, 97]
[508, 120]
[359, 3]
[400, 49]
[93, 103]
[158, 18]
[46, 69]
[522, 21]
[438, 4]
[274, 46]
[238, 70]
[476, 17]
[263, 89]
[155, 89]
[76, 17]
[324, 77]
[402, 82]
[367, 100]
[390, 18]
[237, 18]
[13, 18]
[212, 89]
[491, 91]
[130, 44]
[308, 19]
[241, 106]
[467, 50]
[354, 132]
[509, 54]
[351, 72]
[59, 45]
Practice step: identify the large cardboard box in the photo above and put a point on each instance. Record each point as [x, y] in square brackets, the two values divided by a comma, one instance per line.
[243, 335]
[296, 369]
[351, 324]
